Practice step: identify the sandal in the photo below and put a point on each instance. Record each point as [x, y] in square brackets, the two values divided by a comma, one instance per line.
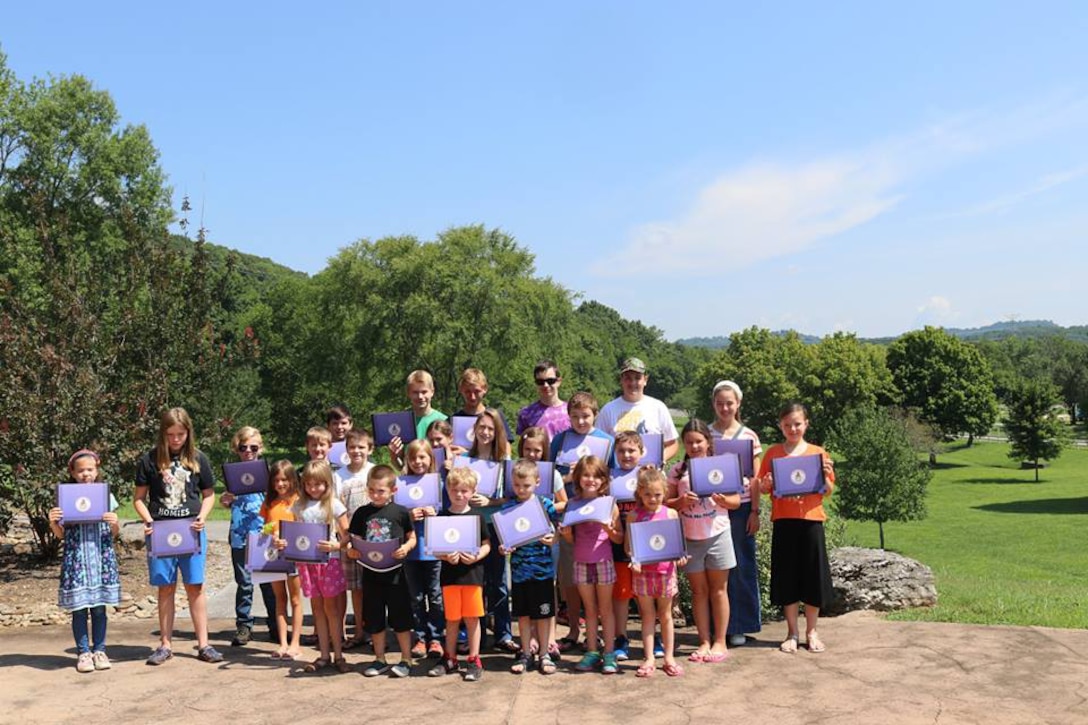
[317, 665]
[715, 657]
[353, 643]
[646, 670]
[566, 644]
[815, 644]
[547, 667]
[673, 670]
[698, 656]
[789, 645]
[342, 666]
[508, 645]
[523, 663]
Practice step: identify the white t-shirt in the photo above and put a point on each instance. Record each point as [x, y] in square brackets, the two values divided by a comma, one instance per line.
[313, 513]
[648, 415]
[351, 487]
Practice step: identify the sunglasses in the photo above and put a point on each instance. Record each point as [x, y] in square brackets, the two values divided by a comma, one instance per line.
[251, 449]
[547, 381]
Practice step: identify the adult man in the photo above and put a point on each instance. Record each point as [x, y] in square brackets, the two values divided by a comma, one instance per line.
[548, 412]
[634, 410]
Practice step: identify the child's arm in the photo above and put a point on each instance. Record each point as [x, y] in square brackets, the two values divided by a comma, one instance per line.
[55, 515]
[567, 532]
[339, 538]
[408, 545]
[110, 517]
[631, 518]
[207, 503]
[729, 501]
[139, 504]
[227, 499]
[615, 531]
[829, 474]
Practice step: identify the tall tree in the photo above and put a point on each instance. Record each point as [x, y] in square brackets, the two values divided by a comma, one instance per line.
[1034, 431]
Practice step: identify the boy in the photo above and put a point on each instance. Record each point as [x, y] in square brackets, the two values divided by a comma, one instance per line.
[318, 442]
[420, 391]
[548, 412]
[351, 489]
[634, 410]
[463, 583]
[386, 591]
[582, 409]
[338, 421]
[533, 573]
[472, 386]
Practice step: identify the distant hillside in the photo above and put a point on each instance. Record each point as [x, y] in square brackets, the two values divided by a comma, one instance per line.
[716, 343]
[256, 270]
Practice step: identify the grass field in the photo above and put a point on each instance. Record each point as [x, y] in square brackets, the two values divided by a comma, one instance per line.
[1004, 549]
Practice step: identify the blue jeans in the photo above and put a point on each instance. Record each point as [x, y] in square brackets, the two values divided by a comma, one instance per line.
[425, 588]
[243, 596]
[496, 591]
[98, 628]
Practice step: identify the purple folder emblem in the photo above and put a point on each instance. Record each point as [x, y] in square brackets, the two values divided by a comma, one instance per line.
[595, 509]
[743, 447]
[798, 475]
[244, 477]
[522, 524]
[546, 469]
[654, 445]
[262, 555]
[376, 555]
[487, 470]
[654, 541]
[82, 503]
[338, 455]
[451, 534]
[418, 491]
[388, 426]
[463, 433]
[623, 484]
[576, 447]
[715, 474]
[174, 537]
[302, 539]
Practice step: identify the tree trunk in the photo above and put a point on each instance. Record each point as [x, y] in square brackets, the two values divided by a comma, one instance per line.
[932, 459]
[1036, 470]
[970, 439]
[880, 525]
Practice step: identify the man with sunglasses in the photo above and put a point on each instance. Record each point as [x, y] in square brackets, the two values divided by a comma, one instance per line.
[548, 412]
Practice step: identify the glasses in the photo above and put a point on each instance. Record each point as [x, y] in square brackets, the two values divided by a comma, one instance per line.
[251, 449]
[547, 381]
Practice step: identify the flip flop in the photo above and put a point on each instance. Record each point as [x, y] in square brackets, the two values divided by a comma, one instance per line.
[673, 670]
[715, 657]
[317, 665]
[789, 645]
[815, 644]
[646, 670]
[698, 656]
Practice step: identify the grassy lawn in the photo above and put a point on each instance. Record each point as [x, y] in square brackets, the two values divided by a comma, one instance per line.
[1005, 550]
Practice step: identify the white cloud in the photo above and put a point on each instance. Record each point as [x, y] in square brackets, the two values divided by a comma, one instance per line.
[937, 310]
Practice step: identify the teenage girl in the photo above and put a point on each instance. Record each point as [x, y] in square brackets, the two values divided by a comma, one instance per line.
[278, 502]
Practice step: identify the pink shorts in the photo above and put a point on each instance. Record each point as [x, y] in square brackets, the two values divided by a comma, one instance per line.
[322, 580]
[600, 572]
[655, 584]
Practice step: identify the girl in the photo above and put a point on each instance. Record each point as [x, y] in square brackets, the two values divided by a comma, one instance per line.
[278, 501]
[710, 546]
[594, 572]
[89, 578]
[323, 583]
[422, 570]
[799, 567]
[743, 585]
[174, 481]
[654, 584]
[489, 443]
[245, 519]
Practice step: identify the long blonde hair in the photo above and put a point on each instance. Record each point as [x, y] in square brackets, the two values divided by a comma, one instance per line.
[188, 453]
[322, 471]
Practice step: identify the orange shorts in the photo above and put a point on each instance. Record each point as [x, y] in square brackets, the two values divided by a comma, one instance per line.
[462, 600]
[621, 590]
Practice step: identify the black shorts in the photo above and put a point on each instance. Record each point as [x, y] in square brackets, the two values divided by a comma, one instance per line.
[800, 571]
[534, 599]
[386, 593]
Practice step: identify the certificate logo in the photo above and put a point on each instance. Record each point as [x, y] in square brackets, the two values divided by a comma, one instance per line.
[715, 477]
[586, 510]
[394, 429]
[798, 477]
[582, 450]
[374, 556]
[303, 543]
[415, 492]
[173, 540]
[522, 524]
[452, 536]
[83, 504]
[271, 554]
[345, 459]
[657, 542]
[248, 479]
[470, 434]
[632, 484]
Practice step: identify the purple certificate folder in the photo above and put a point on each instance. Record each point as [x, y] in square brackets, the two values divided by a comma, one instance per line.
[595, 509]
[522, 524]
[623, 484]
[487, 470]
[654, 541]
[654, 445]
[388, 426]
[576, 447]
[376, 555]
[715, 474]
[440, 460]
[82, 503]
[338, 455]
[262, 555]
[174, 537]
[451, 534]
[743, 447]
[419, 491]
[463, 430]
[244, 477]
[798, 475]
[546, 469]
[302, 541]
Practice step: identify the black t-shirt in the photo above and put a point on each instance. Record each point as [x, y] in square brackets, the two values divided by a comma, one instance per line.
[462, 574]
[391, 522]
[175, 494]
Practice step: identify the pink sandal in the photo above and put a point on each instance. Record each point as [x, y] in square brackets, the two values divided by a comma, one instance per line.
[673, 670]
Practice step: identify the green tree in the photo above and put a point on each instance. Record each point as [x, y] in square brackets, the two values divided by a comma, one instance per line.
[1034, 431]
[845, 374]
[878, 475]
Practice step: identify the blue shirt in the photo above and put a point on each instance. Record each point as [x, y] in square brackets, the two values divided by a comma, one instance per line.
[533, 561]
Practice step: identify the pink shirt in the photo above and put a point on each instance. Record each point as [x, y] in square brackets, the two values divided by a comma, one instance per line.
[702, 520]
[591, 543]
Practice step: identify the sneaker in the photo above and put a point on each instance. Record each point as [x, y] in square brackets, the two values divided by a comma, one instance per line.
[589, 662]
[737, 640]
[659, 649]
[419, 650]
[473, 671]
[608, 664]
[444, 667]
[401, 669]
[101, 661]
[620, 648]
[434, 649]
[209, 654]
[242, 636]
[85, 663]
[377, 667]
[159, 656]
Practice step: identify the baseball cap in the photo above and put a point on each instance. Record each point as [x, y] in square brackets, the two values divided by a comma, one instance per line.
[633, 363]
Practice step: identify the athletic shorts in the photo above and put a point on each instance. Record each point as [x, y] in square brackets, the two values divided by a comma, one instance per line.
[462, 600]
[163, 570]
[622, 590]
[534, 599]
[715, 553]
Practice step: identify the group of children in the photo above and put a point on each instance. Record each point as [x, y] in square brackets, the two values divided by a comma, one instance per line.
[443, 602]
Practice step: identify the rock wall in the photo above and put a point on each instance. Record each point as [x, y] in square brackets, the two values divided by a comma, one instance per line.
[880, 580]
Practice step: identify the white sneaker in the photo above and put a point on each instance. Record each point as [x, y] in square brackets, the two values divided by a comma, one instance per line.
[85, 663]
[101, 661]
[737, 640]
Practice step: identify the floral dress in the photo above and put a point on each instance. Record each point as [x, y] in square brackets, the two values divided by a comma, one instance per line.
[89, 575]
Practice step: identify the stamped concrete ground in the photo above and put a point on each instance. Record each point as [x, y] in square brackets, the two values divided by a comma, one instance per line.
[874, 671]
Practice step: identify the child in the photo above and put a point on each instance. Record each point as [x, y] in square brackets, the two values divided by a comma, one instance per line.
[440, 435]
[628, 452]
[463, 583]
[323, 583]
[279, 500]
[174, 481]
[472, 386]
[351, 489]
[743, 587]
[594, 572]
[654, 584]
[710, 546]
[338, 422]
[533, 572]
[420, 390]
[89, 578]
[245, 519]
[799, 567]
[386, 591]
[318, 442]
[422, 569]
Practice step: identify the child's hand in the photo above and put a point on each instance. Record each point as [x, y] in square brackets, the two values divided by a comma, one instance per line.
[147, 529]
[753, 523]
[400, 552]
[110, 517]
[636, 567]
[55, 515]
[766, 483]
[396, 446]
[478, 499]
[353, 553]
[682, 561]
[455, 558]
[829, 466]
[227, 499]
[504, 551]
[418, 514]
[328, 545]
[688, 500]
[429, 511]
[197, 525]
[279, 543]
[548, 539]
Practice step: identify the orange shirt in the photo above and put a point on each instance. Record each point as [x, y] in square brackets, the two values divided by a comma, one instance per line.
[810, 506]
[280, 510]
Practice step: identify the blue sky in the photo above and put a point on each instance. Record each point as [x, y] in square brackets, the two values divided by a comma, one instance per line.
[702, 167]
